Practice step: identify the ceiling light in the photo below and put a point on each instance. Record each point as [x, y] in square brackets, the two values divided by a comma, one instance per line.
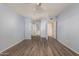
[39, 4]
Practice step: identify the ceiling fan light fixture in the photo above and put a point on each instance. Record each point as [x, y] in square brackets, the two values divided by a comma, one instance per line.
[38, 4]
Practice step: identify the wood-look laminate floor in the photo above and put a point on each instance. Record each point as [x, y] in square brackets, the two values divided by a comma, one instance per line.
[39, 47]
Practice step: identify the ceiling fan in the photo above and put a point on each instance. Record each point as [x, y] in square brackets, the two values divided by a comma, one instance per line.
[39, 8]
[39, 4]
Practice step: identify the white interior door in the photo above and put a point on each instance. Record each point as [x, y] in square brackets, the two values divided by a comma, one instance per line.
[51, 29]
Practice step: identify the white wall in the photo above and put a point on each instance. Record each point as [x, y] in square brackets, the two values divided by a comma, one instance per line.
[28, 28]
[11, 28]
[68, 27]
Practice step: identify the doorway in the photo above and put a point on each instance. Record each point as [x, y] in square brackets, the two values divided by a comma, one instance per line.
[51, 29]
[36, 29]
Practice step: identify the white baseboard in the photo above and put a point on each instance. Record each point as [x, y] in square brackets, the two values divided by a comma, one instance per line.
[69, 47]
[11, 46]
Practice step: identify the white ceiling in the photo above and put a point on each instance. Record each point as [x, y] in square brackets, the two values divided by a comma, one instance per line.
[46, 9]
